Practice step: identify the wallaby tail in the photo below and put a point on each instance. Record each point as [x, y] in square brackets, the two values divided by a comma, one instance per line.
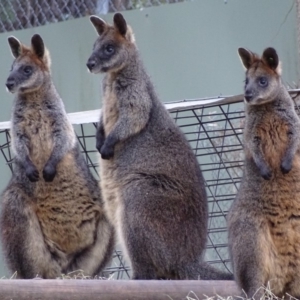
[94, 259]
[207, 272]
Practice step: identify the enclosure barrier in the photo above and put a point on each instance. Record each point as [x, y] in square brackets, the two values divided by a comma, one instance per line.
[114, 290]
[21, 14]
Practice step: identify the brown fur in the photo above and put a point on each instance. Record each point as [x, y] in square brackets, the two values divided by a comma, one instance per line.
[264, 220]
[52, 218]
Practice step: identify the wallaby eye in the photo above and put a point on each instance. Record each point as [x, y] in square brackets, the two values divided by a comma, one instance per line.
[263, 81]
[109, 49]
[27, 70]
[246, 81]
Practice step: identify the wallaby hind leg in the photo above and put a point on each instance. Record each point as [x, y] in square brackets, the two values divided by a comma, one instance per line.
[95, 258]
[208, 272]
[22, 239]
[189, 271]
[140, 271]
[201, 270]
[155, 245]
[248, 243]
[294, 287]
[137, 252]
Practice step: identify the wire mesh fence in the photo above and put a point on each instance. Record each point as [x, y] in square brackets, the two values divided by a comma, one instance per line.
[214, 131]
[21, 14]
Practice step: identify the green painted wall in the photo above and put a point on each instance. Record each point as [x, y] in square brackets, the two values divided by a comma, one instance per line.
[189, 49]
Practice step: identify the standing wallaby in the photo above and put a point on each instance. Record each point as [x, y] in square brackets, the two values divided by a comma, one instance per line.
[52, 217]
[264, 220]
[152, 186]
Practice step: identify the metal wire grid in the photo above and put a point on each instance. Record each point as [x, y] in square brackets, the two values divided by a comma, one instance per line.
[21, 14]
[214, 133]
[6, 159]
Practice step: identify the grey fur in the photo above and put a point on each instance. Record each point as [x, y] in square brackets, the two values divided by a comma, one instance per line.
[52, 217]
[151, 182]
[264, 220]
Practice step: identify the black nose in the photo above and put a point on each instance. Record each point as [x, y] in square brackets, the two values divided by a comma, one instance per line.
[91, 64]
[10, 84]
[248, 95]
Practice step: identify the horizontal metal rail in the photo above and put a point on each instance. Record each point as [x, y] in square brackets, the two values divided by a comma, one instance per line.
[92, 116]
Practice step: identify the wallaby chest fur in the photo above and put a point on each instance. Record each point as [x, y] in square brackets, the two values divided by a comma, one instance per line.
[50, 225]
[273, 131]
[152, 186]
[110, 104]
[67, 208]
[264, 220]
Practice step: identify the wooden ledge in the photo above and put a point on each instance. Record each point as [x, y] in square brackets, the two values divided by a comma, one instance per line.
[70, 289]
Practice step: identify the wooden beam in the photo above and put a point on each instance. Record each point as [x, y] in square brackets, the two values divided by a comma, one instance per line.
[39, 289]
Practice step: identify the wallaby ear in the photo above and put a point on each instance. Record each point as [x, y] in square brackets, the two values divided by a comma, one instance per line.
[120, 23]
[15, 46]
[270, 58]
[246, 56]
[98, 23]
[38, 46]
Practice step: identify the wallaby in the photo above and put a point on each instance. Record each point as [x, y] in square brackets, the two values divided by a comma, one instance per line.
[264, 220]
[152, 186]
[52, 216]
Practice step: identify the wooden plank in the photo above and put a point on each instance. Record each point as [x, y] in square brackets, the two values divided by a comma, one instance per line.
[39, 289]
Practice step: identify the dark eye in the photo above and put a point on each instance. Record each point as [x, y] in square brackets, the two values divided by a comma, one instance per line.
[246, 81]
[109, 49]
[27, 70]
[263, 81]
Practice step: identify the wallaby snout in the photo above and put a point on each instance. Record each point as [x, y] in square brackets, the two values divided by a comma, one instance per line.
[248, 95]
[91, 63]
[10, 84]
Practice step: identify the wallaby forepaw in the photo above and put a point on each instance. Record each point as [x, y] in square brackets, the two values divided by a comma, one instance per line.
[49, 173]
[266, 174]
[32, 173]
[107, 152]
[99, 145]
[286, 166]
[100, 139]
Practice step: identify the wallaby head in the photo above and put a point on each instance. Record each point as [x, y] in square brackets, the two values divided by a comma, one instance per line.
[114, 46]
[31, 65]
[263, 81]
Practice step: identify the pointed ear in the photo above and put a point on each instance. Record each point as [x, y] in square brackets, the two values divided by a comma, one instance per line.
[120, 23]
[38, 46]
[98, 23]
[270, 58]
[15, 46]
[246, 56]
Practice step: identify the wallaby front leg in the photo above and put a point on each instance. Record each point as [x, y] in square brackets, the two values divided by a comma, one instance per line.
[100, 135]
[291, 149]
[133, 117]
[259, 159]
[61, 147]
[107, 151]
[30, 170]
[20, 146]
